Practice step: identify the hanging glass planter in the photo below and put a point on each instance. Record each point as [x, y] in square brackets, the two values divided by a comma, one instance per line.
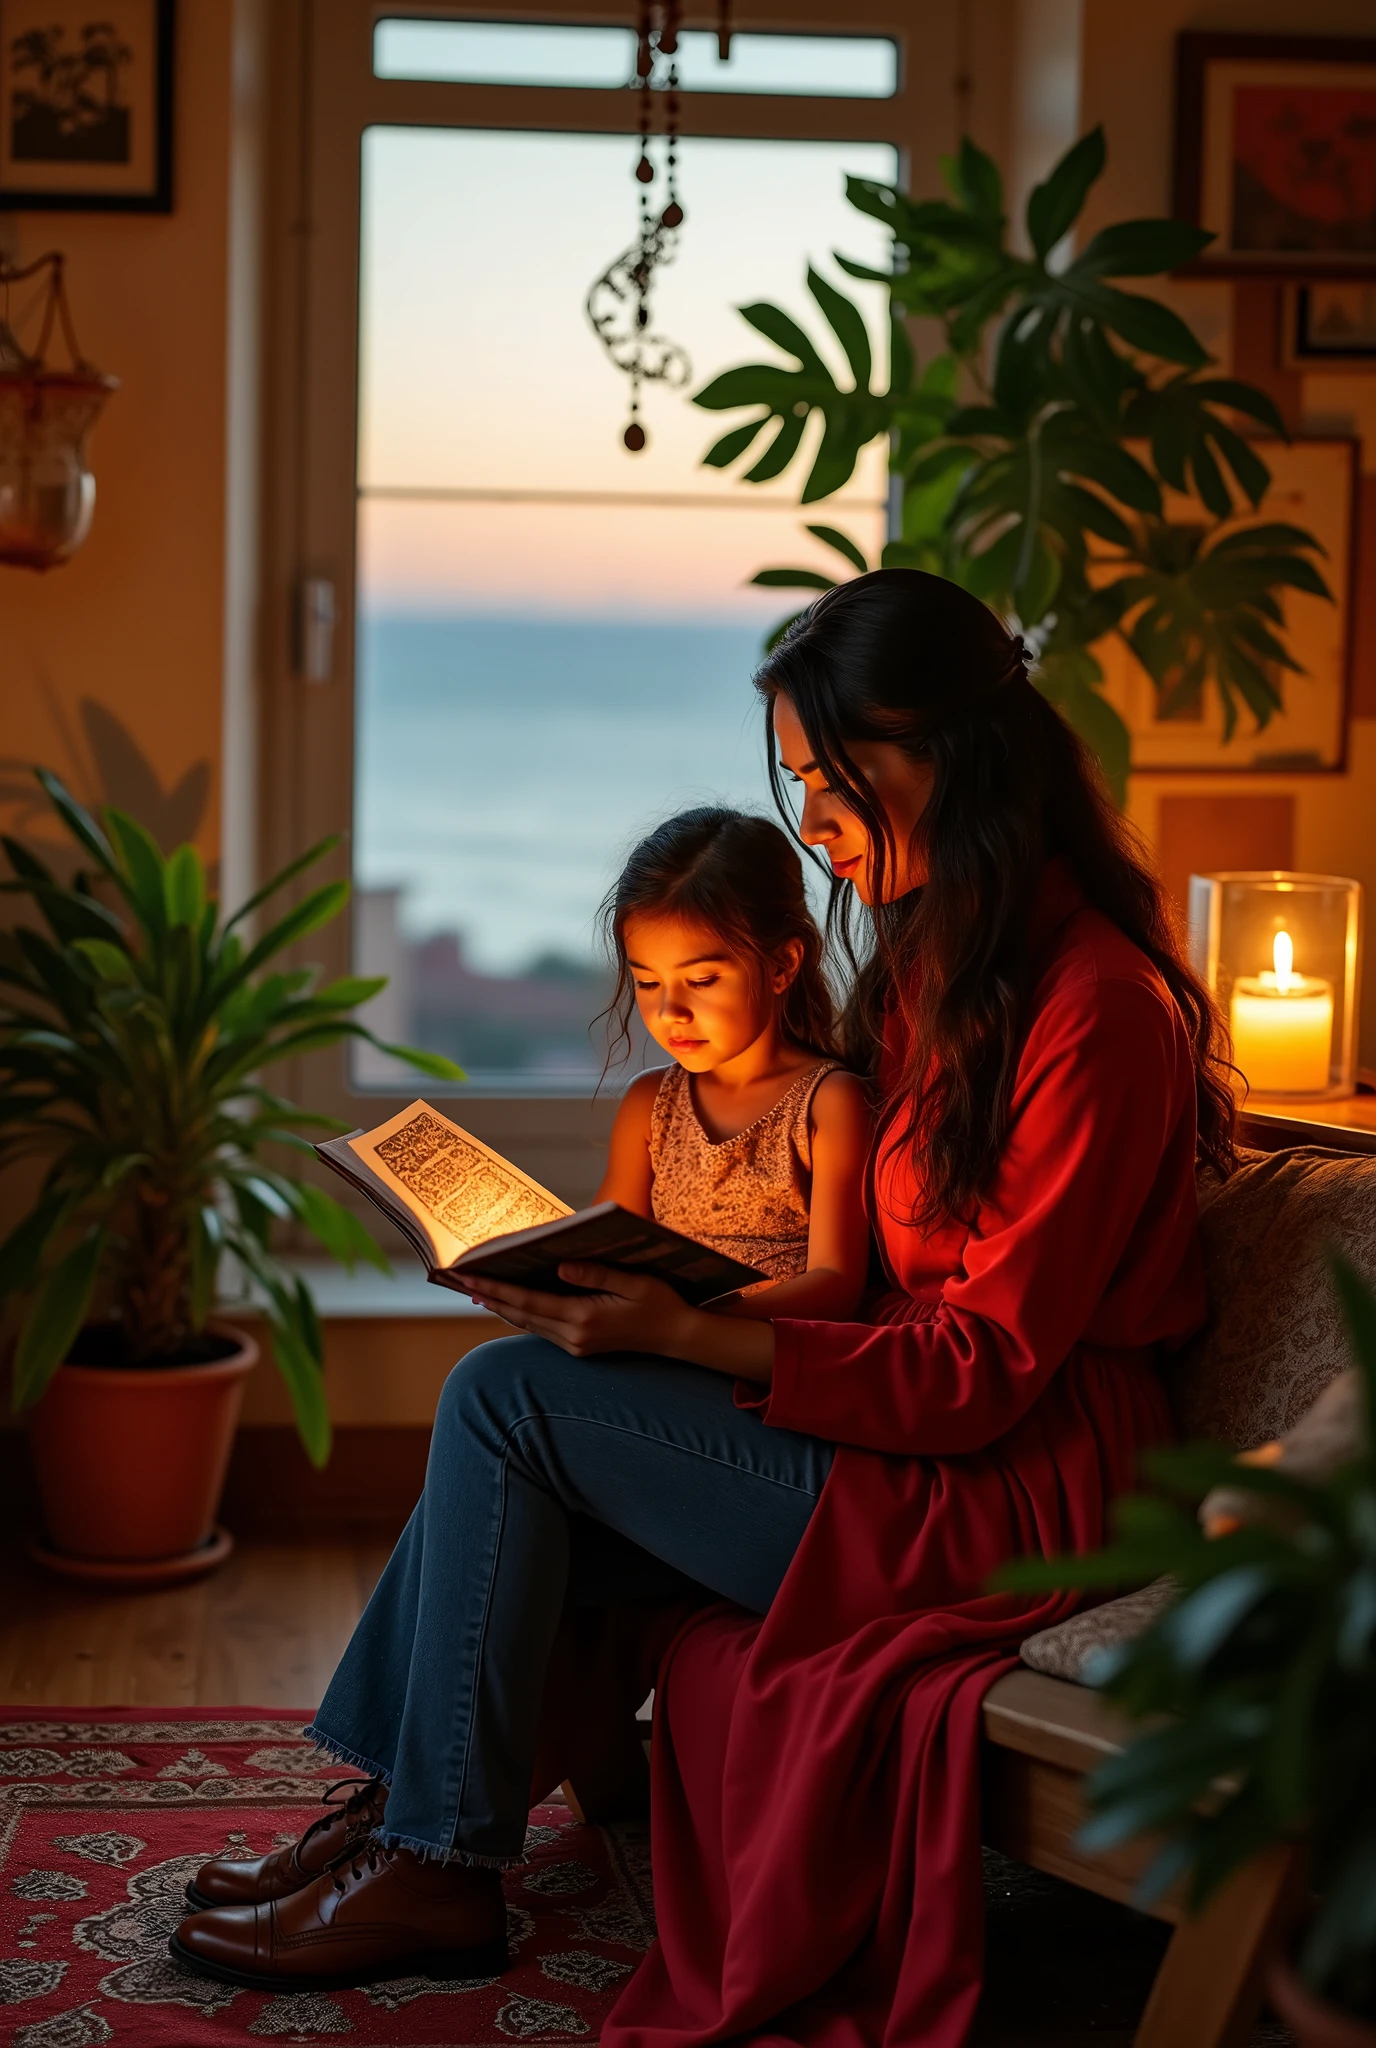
[47, 492]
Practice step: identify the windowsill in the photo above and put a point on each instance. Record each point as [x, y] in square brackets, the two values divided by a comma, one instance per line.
[365, 1294]
[486, 1088]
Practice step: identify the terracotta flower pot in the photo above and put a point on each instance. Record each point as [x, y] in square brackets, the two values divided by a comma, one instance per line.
[1313, 2021]
[131, 1463]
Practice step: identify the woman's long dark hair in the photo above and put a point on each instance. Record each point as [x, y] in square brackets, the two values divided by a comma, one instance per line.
[901, 656]
[741, 877]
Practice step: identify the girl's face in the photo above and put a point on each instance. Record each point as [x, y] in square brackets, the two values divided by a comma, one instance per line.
[702, 1003]
[901, 787]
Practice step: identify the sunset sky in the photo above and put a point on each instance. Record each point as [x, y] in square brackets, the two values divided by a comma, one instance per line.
[480, 369]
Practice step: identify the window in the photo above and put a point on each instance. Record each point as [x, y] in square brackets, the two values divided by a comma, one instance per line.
[555, 636]
[544, 53]
[542, 643]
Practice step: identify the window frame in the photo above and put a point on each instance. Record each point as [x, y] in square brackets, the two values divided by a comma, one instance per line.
[325, 97]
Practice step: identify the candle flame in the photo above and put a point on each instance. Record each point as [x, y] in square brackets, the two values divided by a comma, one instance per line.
[1283, 954]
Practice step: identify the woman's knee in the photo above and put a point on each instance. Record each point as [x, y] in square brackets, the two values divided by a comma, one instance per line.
[494, 1385]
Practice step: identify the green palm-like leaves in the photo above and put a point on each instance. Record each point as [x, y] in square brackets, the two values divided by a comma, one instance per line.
[851, 418]
[135, 1026]
[1192, 443]
[1266, 1666]
[1096, 400]
[953, 262]
[1205, 605]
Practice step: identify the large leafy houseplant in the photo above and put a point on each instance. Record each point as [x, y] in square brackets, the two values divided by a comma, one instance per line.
[135, 1024]
[1033, 449]
[1265, 1666]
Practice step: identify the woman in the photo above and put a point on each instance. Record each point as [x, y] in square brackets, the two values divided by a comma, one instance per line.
[1046, 1071]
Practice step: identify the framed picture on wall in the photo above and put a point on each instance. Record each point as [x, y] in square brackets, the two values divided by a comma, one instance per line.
[1313, 485]
[1330, 325]
[86, 105]
[1275, 152]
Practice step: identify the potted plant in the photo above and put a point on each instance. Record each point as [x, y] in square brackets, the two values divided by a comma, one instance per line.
[1033, 454]
[1265, 1666]
[135, 1025]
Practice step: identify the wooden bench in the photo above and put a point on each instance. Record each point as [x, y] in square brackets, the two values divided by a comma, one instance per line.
[1043, 1736]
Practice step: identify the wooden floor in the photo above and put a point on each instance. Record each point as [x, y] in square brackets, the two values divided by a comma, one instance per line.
[265, 1631]
[1065, 1969]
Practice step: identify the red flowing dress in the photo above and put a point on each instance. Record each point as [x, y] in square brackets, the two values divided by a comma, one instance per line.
[816, 1831]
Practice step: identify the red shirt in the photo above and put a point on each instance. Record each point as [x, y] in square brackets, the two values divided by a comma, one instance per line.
[1085, 1235]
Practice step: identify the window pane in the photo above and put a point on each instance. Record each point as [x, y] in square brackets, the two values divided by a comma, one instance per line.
[503, 53]
[832, 67]
[555, 637]
[479, 367]
[539, 53]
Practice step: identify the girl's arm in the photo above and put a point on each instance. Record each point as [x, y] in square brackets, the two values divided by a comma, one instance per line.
[628, 1178]
[636, 1313]
[838, 1238]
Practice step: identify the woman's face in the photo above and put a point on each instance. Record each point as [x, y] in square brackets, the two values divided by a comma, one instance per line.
[901, 788]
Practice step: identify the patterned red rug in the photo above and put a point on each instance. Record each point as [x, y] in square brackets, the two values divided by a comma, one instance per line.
[105, 1814]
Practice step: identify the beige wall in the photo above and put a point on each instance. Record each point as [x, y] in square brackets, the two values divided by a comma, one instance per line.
[1127, 82]
[112, 667]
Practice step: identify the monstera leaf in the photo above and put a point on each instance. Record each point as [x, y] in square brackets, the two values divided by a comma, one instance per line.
[1205, 606]
[1192, 441]
[851, 418]
[952, 260]
[1036, 492]
[1095, 400]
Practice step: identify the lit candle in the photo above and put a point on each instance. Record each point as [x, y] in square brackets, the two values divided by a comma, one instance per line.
[1282, 1025]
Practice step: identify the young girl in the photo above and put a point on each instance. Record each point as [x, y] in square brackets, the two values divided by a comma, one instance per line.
[755, 1140]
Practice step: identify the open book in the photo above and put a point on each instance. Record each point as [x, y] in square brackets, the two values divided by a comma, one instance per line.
[466, 1209]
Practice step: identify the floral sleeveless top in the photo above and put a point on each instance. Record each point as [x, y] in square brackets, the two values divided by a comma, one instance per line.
[747, 1196]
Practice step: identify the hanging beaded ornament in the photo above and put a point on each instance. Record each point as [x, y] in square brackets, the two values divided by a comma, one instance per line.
[618, 305]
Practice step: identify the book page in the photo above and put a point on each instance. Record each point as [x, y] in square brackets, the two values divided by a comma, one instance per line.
[457, 1188]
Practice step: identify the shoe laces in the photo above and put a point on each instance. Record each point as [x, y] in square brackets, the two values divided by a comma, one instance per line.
[355, 1806]
[369, 1855]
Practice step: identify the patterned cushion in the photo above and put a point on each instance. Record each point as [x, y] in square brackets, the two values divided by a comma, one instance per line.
[1065, 1650]
[1275, 1338]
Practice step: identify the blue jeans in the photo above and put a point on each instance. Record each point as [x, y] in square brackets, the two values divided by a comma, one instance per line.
[604, 1478]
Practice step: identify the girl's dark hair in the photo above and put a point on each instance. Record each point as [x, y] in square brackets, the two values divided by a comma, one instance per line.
[740, 876]
[905, 657]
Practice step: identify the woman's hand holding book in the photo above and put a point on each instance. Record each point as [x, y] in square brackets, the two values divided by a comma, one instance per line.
[630, 1312]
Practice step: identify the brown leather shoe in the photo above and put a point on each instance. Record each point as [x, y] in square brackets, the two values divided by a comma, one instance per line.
[344, 1824]
[380, 1913]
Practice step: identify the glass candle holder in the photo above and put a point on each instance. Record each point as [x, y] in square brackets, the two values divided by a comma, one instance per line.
[1283, 955]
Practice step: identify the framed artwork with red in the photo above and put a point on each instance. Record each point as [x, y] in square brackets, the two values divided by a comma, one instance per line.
[1275, 152]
